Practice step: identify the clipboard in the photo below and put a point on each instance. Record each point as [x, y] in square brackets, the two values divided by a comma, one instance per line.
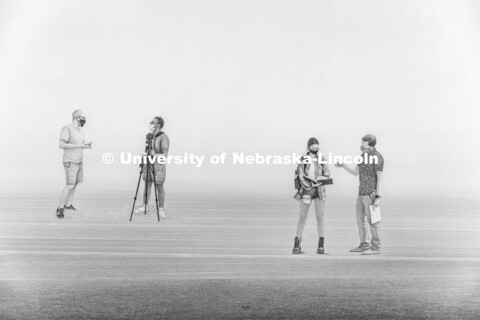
[375, 215]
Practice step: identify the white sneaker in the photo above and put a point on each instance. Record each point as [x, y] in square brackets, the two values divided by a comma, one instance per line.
[141, 209]
[161, 212]
[369, 252]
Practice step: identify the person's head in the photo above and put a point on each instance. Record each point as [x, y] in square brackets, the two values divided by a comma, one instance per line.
[156, 124]
[313, 145]
[368, 142]
[79, 117]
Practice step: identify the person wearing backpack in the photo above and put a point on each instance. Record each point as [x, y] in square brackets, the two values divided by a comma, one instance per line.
[160, 146]
[311, 176]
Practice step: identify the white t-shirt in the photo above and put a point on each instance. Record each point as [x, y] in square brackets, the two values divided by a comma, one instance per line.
[312, 170]
[73, 136]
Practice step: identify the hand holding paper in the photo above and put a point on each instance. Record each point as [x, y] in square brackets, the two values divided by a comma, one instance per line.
[375, 215]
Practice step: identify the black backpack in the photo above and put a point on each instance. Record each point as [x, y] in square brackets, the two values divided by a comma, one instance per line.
[296, 181]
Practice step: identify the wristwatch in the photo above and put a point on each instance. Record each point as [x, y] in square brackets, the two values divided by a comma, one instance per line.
[377, 197]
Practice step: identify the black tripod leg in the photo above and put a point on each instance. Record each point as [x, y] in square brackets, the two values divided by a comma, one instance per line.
[136, 193]
[156, 195]
[145, 194]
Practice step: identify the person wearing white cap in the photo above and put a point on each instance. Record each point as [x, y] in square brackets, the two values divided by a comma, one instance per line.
[72, 142]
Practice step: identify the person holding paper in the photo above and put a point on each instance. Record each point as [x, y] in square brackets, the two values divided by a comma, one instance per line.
[370, 173]
[312, 175]
[72, 142]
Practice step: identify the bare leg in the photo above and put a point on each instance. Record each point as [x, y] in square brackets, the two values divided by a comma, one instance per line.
[161, 195]
[70, 196]
[65, 195]
[320, 213]
[302, 217]
[149, 191]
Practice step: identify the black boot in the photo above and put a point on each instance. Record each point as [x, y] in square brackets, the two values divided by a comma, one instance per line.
[320, 249]
[297, 248]
[59, 213]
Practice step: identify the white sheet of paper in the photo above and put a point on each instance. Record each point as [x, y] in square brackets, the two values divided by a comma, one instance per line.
[375, 215]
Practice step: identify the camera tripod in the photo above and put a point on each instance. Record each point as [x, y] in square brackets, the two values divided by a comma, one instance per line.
[146, 166]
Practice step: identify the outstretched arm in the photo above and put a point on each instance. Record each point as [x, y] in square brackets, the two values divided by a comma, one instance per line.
[349, 168]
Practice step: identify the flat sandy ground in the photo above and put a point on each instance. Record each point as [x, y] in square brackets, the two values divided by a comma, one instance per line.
[229, 256]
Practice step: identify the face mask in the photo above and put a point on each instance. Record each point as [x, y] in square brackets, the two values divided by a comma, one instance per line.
[364, 149]
[314, 151]
[82, 122]
[152, 127]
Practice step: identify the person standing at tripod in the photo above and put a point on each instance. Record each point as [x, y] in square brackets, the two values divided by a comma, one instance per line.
[160, 146]
[72, 142]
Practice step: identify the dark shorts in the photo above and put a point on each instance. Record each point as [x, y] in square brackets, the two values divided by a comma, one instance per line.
[313, 193]
[73, 172]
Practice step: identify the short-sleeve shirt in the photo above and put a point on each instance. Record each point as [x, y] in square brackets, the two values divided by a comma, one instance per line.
[161, 144]
[368, 172]
[73, 136]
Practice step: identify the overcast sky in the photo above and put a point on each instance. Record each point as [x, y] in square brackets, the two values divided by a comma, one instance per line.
[244, 76]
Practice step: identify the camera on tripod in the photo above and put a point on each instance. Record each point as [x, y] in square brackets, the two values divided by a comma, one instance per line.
[149, 169]
[149, 138]
[148, 147]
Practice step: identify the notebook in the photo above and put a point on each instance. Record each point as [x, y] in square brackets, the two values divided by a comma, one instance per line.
[375, 215]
